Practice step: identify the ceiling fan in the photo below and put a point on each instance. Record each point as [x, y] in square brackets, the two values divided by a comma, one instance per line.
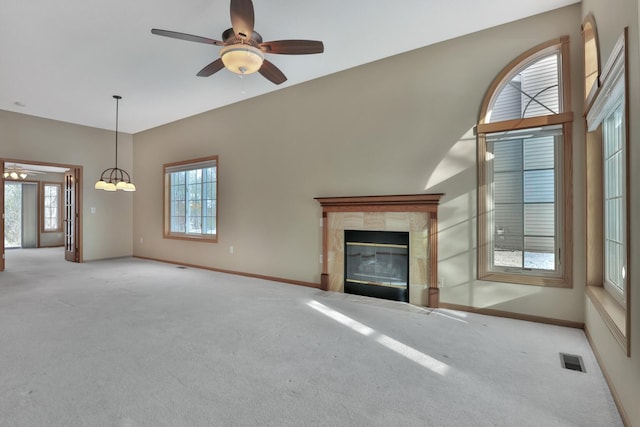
[15, 171]
[243, 49]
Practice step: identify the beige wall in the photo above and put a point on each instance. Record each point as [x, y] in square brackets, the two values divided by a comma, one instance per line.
[611, 17]
[31, 138]
[397, 126]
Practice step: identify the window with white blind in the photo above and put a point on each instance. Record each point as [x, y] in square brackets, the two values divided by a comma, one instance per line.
[524, 150]
[191, 199]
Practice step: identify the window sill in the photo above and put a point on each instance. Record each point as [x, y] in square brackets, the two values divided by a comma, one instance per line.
[613, 314]
[196, 238]
[523, 279]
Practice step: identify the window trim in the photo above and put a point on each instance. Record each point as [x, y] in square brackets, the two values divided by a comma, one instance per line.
[41, 208]
[167, 234]
[615, 315]
[564, 118]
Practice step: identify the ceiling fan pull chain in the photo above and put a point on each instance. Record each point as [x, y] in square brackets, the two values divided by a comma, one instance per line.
[242, 84]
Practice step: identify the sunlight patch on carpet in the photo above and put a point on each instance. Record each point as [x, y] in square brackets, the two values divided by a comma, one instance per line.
[410, 353]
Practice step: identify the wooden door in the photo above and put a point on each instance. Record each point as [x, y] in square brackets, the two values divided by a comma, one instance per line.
[71, 216]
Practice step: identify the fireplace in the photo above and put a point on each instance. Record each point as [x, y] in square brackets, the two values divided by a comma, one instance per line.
[416, 214]
[377, 264]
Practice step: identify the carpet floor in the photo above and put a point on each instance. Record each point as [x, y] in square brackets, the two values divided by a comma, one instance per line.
[130, 342]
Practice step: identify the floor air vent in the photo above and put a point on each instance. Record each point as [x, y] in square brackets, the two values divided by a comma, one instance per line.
[570, 361]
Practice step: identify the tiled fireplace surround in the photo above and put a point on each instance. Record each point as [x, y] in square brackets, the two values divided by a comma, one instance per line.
[416, 213]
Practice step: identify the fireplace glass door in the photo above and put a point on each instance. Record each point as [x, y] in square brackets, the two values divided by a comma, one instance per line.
[377, 264]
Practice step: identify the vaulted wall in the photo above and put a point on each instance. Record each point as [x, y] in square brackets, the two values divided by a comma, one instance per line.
[397, 126]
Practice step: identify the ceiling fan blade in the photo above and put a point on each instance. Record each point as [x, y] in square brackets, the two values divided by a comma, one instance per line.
[212, 68]
[242, 18]
[188, 37]
[272, 73]
[293, 47]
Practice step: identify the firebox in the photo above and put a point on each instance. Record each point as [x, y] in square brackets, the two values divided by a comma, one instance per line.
[377, 264]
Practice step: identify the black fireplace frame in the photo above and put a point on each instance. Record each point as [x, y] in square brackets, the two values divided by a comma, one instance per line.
[377, 290]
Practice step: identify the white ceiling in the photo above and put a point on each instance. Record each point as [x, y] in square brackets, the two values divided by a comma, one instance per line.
[64, 60]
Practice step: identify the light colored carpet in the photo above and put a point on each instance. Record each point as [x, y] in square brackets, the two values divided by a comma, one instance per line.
[130, 342]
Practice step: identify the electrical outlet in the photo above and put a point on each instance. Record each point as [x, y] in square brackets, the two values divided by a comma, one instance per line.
[230, 249]
[141, 240]
[441, 282]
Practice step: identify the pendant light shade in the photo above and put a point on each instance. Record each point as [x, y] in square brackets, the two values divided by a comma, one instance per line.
[114, 179]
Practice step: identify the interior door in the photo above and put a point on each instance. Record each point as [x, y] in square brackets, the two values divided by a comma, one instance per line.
[71, 216]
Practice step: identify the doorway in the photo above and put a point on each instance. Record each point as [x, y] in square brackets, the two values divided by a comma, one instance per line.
[41, 207]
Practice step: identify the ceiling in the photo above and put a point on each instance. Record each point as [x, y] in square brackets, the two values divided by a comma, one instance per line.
[64, 60]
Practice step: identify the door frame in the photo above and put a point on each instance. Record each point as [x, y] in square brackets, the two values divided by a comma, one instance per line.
[78, 200]
[71, 216]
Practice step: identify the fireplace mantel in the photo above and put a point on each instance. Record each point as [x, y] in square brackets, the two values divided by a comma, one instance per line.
[416, 213]
[405, 203]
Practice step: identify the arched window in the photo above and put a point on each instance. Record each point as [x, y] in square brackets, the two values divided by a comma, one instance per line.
[524, 171]
[591, 60]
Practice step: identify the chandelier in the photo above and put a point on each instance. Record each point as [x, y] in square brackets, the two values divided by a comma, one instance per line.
[113, 179]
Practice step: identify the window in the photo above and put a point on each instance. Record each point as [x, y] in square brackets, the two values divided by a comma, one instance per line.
[524, 190]
[607, 213]
[191, 199]
[51, 208]
[615, 263]
[13, 214]
[524, 158]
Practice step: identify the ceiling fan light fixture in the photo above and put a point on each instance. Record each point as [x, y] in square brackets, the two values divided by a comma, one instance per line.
[242, 48]
[242, 58]
[14, 172]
